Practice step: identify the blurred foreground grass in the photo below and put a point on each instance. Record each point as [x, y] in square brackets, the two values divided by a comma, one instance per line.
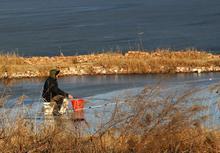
[142, 124]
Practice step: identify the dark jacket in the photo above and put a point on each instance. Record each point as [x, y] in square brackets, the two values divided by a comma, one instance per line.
[51, 87]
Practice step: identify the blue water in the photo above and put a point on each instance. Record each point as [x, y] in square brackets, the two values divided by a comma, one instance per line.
[48, 27]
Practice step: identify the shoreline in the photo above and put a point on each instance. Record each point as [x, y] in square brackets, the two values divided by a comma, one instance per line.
[131, 62]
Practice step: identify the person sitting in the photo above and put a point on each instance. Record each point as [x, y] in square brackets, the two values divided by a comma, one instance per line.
[52, 93]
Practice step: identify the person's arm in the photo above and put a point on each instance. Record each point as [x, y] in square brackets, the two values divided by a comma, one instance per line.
[58, 91]
[61, 92]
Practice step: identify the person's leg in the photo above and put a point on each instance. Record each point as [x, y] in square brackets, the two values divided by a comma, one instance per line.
[59, 101]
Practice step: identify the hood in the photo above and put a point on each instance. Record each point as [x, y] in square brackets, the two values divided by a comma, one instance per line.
[53, 73]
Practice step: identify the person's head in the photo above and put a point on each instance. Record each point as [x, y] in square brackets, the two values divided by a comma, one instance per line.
[54, 73]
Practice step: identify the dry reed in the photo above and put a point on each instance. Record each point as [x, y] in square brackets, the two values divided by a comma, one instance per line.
[158, 61]
[143, 123]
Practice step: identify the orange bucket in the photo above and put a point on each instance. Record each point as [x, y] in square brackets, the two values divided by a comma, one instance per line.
[78, 104]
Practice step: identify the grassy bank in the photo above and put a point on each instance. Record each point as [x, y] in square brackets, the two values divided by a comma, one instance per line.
[132, 62]
[143, 124]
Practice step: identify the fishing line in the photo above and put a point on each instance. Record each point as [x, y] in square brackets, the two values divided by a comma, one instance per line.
[113, 103]
[93, 100]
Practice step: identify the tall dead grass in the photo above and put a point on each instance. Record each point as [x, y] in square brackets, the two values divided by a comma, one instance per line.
[158, 61]
[147, 122]
[170, 124]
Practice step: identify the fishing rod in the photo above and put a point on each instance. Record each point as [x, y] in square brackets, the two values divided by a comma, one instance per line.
[96, 106]
[113, 103]
[94, 100]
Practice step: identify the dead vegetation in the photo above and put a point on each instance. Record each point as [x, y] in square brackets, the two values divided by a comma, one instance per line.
[143, 123]
[158, 61]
